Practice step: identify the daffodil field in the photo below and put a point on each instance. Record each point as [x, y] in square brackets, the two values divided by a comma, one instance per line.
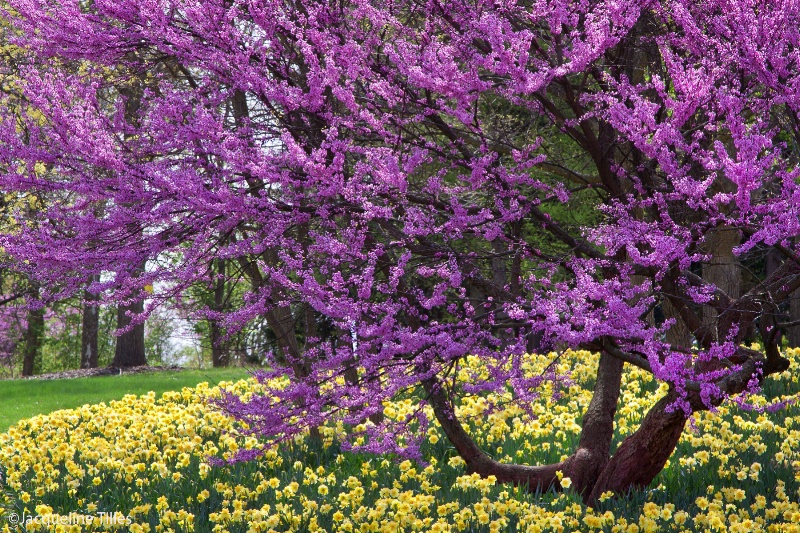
[140, 464]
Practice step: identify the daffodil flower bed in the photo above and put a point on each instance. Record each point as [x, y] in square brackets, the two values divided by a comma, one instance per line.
[147, 459]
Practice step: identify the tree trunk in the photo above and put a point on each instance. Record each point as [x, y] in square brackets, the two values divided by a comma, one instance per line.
[220, 350]
[793, 332]
[635, 464]
[597, 429]
[772, 262]
[642, 455]
[129, 350]
[637, 460]
[678, 335]
[91, 327]
[583, 467]
[532, 477]
[130, 345]
[31, 360]
[724, 270]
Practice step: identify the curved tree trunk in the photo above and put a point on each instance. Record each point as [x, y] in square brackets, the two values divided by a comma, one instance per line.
[637, 460]
[642, 455]
[533, 477]
[582, 467]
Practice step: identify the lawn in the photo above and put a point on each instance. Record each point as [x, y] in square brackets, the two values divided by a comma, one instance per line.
[25, 398]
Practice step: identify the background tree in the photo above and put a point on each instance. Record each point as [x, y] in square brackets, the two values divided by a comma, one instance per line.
[90, 328]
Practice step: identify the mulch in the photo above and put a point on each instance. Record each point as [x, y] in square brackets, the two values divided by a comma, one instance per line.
[104, 371]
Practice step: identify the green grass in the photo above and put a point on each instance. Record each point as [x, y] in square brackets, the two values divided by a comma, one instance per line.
[21, 399]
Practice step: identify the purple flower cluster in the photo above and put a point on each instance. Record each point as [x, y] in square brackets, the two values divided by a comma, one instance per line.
[400, 174]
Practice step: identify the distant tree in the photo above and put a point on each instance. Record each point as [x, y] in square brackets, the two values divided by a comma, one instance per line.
[220, 347]
[130, 346]
[12, 319]
[793, 331]
[90, 328]
[34, 333]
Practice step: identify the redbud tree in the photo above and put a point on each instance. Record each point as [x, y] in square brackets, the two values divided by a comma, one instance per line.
[405, 173]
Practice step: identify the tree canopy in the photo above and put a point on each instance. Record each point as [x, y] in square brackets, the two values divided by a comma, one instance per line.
[415, 182]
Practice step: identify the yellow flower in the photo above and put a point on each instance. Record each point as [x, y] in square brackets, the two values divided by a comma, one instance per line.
[566, 483]
[593, 521]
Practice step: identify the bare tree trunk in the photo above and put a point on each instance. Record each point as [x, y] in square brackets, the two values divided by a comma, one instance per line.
[90, 329]
[532, 477]
[678, 335]
[597, 429]
[793, 332]
[220, 355]
[129, 350]
[31, 357]
[637, 460]
[772, 262]
[220, 350]
[642, 455]
[724, 270]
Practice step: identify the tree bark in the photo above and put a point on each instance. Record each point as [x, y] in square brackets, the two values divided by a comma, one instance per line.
[793, 332]
[597, 430]
[129, 350]
[678, 334]
[642, 455]
[724, 270]
[31, 357]
[220, 350]
[532, 477]
[772, 262]
[90, 329]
